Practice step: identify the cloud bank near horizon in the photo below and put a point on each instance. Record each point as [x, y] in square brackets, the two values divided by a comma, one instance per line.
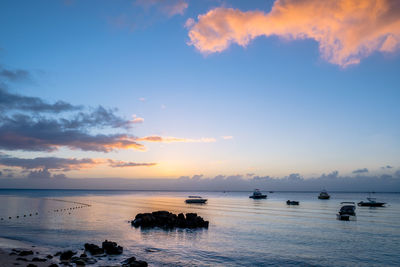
[346, 31]
[293, 182]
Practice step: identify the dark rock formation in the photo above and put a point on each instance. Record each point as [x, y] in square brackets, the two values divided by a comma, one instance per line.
[31, 265]
[94, 249]
[25, 253]
[112, 248]
[49, 257]
[132, 262]
[67, 255]
[53, 265]
[166, 219]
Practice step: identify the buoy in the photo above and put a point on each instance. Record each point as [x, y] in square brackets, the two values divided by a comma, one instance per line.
[9, 217]
[17, 217]
[24, 215]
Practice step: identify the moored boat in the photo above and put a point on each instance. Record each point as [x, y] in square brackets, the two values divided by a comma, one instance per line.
[292, 202]
[347, 212]
[257, 195]
[324, 195]
[371, 203]
[195, 200]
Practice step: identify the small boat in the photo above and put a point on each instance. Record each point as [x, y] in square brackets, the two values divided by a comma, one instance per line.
[195, 200]
[257, 195]
[324, 195]
[371, 203]
[347, 212]
[292, 202]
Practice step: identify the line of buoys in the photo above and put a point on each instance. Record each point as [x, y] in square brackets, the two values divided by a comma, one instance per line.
[82, 205]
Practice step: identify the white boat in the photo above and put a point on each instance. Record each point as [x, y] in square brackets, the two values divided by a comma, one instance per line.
[195, 199]
[347, 212]
[257, 195]
[371, 203]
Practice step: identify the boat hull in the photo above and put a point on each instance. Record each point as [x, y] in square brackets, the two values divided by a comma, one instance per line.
[367, 204]
[258, 197]
[296, 203]
[324, 197]
[196, 201]
[346, 217]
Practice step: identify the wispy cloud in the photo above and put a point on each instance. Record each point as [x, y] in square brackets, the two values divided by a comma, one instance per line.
[14, 75]
[364, 170]
[169, 8]
[346, 31]
[169, 139]
[227, 137]
[123, 164]
[11, 102]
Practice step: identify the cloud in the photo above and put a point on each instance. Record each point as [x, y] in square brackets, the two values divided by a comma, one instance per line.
[138, 120]
[142, 99]
[169, 8]
[10, 101]
[40, 167]
[346, 31]
[22, 132]
[364, 170]
[48, 163]
[160, 139]
[122, 164]
[227, 137]
[16, 75]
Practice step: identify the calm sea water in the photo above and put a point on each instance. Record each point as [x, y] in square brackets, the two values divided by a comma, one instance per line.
[242, 232]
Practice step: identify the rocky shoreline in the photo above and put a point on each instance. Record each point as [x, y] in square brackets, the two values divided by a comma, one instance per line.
[91, 255]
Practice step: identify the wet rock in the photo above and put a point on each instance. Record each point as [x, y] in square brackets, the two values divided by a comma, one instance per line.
[25, 253]
[57, 254]
[83, 255]
[166, 219]
[21, 259]
[94, 249]
[112, 248]
[12, 253]
[31, 265]
[67, 255]
[132, 262]
[35, 259]
[49, 257]
[80, 262]
[53, 265]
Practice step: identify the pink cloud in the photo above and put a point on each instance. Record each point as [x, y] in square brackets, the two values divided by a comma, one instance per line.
[346, 31]
[160, 139]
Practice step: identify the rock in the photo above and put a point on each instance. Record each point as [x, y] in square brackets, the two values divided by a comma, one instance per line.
[53, 265]
[129, 260]
[38, 259]
[31, 265]
[57, 254]
[12, 253]
[83, 255]
[21, 259]
[67, 255]
[165, 219]
[49, 257]
[132, 262]
[25, 253]
[94, 249]
[112, 248]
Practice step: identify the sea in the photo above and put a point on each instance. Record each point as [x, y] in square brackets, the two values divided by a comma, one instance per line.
[242, 231]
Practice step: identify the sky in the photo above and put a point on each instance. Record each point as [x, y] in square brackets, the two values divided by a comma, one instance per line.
[166, 89]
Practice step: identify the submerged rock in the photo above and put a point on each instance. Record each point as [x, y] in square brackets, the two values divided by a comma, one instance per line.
[39, 259]
[166, 219]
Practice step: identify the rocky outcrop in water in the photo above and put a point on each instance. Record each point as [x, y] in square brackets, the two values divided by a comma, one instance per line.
[112, 248]
[165, 219]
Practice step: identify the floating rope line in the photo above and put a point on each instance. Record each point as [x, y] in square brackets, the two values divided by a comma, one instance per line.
[80, 206]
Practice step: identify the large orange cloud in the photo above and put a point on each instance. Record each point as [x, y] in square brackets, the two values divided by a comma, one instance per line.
[346, 31]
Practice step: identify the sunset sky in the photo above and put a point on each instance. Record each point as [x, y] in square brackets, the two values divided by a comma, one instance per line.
[163, 89]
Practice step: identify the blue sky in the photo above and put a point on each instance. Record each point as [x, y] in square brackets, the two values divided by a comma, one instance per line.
[287, 108]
